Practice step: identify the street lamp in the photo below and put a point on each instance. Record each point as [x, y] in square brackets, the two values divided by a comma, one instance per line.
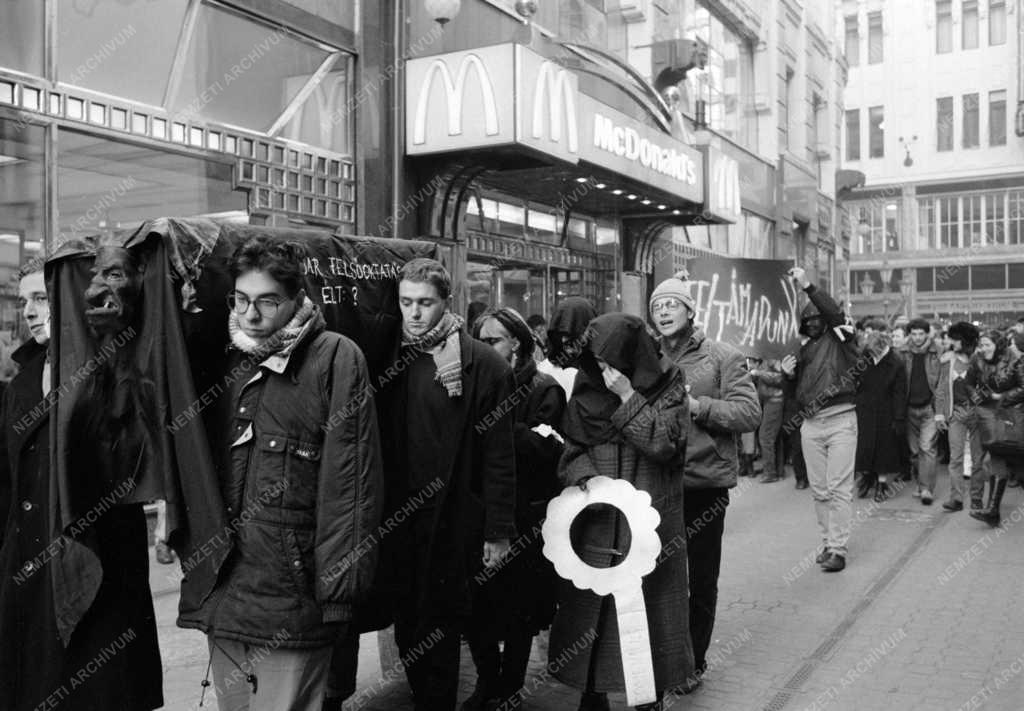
[442, 11]
[867, 285]
[906, 288]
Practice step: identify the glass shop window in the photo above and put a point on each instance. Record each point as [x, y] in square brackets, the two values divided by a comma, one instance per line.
[21, 35]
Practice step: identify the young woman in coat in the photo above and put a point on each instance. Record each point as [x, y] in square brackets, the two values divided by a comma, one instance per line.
[881, 415]
[516, 600]
[996, 381]
[628, 419]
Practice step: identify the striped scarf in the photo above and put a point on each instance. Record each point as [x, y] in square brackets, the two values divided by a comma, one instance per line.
[442, 342]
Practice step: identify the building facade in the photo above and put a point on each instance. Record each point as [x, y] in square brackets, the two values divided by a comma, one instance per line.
[751, 92]
[937, 229]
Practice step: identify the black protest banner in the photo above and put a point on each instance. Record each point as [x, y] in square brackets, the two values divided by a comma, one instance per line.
[749, 303]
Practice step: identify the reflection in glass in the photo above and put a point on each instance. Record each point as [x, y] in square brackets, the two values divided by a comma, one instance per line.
[96, 41]
[21, 35]
[241, 72]
[106, 185]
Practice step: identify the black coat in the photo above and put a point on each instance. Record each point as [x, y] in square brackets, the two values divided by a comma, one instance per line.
[475, 461]
[881, 414]
[119, 626]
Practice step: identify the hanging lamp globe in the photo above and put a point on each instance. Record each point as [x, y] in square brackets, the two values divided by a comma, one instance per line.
[442, 11]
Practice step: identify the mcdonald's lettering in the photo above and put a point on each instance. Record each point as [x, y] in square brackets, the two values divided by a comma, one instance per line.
[725, 186]
[455, 90]
[627, 143]
[560, 99]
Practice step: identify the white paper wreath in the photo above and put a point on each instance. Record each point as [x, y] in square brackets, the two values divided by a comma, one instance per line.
[623, 581]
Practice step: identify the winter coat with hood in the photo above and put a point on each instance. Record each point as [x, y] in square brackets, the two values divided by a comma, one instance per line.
[826, 370]
[302, 484]
[727, 406]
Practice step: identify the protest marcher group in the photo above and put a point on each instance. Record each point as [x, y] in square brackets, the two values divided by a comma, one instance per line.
[419, 498]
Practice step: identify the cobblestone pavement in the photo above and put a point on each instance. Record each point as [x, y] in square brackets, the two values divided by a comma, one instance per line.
[926, 616]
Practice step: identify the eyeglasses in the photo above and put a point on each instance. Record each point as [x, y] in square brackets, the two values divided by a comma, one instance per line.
[671, 303]
[265, 307]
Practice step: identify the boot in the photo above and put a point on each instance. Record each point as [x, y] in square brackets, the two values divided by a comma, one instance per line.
[990, 514]
[746, 465]
[593, 701]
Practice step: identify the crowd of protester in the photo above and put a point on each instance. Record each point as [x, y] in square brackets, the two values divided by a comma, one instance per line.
[487, 421]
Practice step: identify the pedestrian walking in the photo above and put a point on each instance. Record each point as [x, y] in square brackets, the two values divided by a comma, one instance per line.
[627, 419]
[516, 600]
[723, 405]
[450, 467]
[826, 386]
[36, 669]
[881, 415]
[304, 454]
[769, 379]
[921, 358]
[955, 413]
[996, 381]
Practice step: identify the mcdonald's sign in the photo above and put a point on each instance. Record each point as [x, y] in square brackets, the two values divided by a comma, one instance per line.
[458, 100]
[547, 108]
[724, 196]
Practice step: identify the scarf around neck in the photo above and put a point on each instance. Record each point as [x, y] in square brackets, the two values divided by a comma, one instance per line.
[443, 343]
[307, 319]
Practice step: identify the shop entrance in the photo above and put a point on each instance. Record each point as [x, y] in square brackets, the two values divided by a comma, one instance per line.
[536, 289]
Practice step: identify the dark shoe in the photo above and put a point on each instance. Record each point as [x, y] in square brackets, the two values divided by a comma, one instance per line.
[478, 700]
[656, 706]
[593, 701]
[977, 504]
[990, 515]
[822, 557]
[953, 506]
[801, 484]
[926, 497]
[769, 478]
[864, 487]
[834, 564]
[164, 555]
[881, 492]
[1014, 484]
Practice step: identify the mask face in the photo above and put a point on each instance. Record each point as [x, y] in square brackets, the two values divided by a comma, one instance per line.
[814, 327]
[113, 299]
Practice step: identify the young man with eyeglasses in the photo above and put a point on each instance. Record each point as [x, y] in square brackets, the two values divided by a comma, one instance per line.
[723, 405]
[302, 486]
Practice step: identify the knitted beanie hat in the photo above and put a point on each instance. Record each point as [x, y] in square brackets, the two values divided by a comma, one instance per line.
[676, 287]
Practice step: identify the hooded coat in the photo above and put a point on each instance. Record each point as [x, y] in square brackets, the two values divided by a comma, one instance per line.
[881, 414]
[826, 370]
[643, 442]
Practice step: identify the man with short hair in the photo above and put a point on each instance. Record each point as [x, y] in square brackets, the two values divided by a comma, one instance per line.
[451, 467]
[826, 386]
[301, 481]
[921, 357]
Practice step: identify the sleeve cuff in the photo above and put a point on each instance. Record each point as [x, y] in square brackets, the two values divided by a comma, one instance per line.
[497, 533]
[336, 612]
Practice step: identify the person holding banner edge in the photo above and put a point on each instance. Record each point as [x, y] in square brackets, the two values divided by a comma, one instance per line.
[723, 404]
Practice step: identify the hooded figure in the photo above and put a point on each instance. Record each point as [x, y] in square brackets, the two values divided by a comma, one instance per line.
[628, 419]
[566, 338]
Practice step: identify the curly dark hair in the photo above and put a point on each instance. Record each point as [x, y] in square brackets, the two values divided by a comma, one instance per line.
[966, 333]
[919, 323]
[281, 260]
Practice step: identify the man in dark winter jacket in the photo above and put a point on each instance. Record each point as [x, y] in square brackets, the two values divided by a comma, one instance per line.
[302, 485]
[826, 384]
[451, 474]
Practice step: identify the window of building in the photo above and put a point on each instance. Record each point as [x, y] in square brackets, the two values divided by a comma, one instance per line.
[997, 118]
[1015, 276]
[949, 223]
[970, 214]
[944, 123]
[969, 24]
[972, 124]
[988, 276]
[144, 181]
[852, 41]
[943, 26]
[784, 90]
[1015, 217]
[925, 279]
[853, 134]
[877, 226]
[21, 35]
[995, 218]
[876, 136]
[997, 22]
[953, 277]
[926, 224]
[876, 45]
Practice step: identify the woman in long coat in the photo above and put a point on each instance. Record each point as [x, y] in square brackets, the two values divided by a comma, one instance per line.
[627, 419]
[881, 415]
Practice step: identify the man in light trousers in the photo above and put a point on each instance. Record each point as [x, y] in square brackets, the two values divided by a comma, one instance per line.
[826, 382]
